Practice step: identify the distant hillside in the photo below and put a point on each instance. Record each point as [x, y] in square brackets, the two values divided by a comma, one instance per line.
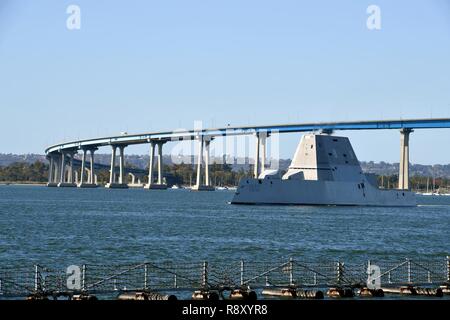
[141, 161]
[8, 158]
[384, 168]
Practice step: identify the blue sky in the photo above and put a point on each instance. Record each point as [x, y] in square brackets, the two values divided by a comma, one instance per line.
[156, 65]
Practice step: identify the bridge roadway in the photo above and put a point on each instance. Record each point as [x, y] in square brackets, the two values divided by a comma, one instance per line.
[61, 156]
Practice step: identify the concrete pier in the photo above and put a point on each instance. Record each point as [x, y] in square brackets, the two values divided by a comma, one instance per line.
[257, 150]
[403, 177]
[113, 183]
[52, 170]
[263, 138]
[260, 153]
[66, 170]
[134, 183]
[159, 185]
[203, 151]
[87, 173]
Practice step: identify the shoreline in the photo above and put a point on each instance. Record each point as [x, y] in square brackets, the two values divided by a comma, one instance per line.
[22, 184]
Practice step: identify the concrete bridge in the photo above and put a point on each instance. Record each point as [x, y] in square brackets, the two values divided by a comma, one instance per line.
[62, 161]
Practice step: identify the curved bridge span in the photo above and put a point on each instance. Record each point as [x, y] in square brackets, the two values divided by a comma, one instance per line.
[61, 156]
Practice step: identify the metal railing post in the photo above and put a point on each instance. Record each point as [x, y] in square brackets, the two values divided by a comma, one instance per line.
[291, 272]
[448, 268]
[332, 273]
[83, 278]
[340, 272]
[145, 276]
[205, 274]
[409, 270]
[36, 278]
[242, 272]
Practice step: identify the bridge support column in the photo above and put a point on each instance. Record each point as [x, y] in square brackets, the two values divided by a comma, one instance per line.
[71, 175]
[135, 182]
[83, 166]
[62, 169]
[257, 150]
[403, 177]
[263, 138]
[150, 165]
[204, 143]
[91, 173]
[57, 168]
[112, 171]
[151, 184]
[121, 164]
[54, 169]
[66, 179]
[112, 175]
[160, 163]
[199, 163]
[87, 173]
[51, 171]
[133, 178]
[260, 153]
[207, 142]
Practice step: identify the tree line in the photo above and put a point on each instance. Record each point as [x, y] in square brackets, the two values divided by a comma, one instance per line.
[180, 174]
[185, 174]
[24, 172]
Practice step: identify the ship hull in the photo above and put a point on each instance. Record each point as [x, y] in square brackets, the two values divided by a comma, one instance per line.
[318, 192]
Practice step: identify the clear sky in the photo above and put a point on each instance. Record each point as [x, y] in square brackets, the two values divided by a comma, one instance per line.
[156, 65]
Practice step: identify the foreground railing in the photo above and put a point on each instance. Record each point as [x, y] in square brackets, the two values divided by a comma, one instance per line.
[209, 276]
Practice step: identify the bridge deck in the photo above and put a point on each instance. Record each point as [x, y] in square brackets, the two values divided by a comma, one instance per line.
[245, 130]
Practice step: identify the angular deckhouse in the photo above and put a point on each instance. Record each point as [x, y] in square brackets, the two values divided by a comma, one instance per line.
[324, 171]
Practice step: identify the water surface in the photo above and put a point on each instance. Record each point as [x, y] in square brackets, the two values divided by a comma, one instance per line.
[62, 226]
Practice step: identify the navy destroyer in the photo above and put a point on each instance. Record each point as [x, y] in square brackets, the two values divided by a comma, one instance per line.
[324, 171]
